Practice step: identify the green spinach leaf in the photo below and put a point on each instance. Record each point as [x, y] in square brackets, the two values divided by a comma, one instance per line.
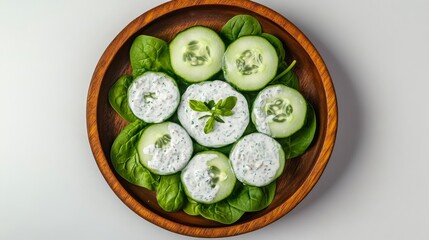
[125, 159]
[289, 79]
[250, 128]
[298, 143]
[200, 148]
[169, 193]
[225, 149]
[220, 212]
[239, 26]
[192, 207]
[250, 97]
[149, 54]
[277, 44]
[252, 199]
[118, 98]
[174, 118]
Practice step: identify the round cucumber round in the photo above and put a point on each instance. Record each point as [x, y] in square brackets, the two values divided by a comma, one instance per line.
[228, 128]
[196, 54]
[250, 63]
[208, 177]
[164, 148]
[153, 97]
[257, 159]
[279, 111]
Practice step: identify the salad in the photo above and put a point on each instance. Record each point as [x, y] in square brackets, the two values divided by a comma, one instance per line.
[214, 118]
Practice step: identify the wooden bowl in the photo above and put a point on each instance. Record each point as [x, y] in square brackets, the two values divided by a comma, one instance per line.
[164, 22]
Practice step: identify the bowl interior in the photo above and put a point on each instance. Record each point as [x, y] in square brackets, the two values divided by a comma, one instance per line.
[215, 16]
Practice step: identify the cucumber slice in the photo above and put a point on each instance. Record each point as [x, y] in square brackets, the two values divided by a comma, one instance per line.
[164, 148]
[279, 111]
[208, 177]
[194, 122]
[257, 159]
[250, 63]
[196, 54]
[153, 97]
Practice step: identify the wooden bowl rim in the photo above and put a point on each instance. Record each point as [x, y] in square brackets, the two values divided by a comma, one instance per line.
[227, 230]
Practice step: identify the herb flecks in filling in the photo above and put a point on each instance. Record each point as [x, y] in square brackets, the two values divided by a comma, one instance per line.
[249, 62]
[163, 141]
[214, 110]
[279, 110]
[197, 53]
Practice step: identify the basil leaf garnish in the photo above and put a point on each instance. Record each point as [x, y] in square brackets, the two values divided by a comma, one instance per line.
[222, 108]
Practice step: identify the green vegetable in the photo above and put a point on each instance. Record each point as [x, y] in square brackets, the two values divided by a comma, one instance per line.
[220, 212]
[250, 63]
[215, 174]
[158, 136]
[174, 118]
[125, 159]
[283, 111]
[239, 26]
[298, 143]
[284, 72]
[245, 168]
[226, 149]
[286, 77]
[277, 44]
[221, 108]
[250, 129]
[228, 104]
[198, 106]
[149, 54]
[169, 193]
[118, 98]
[200, 148]
[196, 54]
[252, 199]
[192, 207]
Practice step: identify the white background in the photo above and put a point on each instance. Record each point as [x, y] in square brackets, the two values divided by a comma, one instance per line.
[375, 185]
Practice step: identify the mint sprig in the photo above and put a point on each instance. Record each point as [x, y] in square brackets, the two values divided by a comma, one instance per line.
[214, 110]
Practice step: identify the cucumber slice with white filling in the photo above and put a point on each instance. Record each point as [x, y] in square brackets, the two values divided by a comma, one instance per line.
[165, 148]
[208, 177]
[279, 111]
[257, 159]
[224, 133]
[250, 63]
[153, 97]
[196, 54]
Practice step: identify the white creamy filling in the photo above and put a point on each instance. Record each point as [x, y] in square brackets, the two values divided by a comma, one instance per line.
[256, 159]
[153, 97]
[173, 157]
[223, 133]
[197, 178]
[260, 118]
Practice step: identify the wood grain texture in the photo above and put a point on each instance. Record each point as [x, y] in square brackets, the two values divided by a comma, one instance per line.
[166, 20]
